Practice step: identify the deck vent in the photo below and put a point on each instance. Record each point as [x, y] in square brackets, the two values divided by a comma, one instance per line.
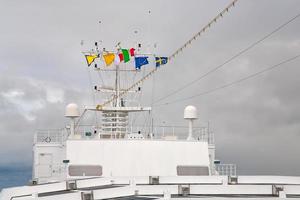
[136, 192]
[71, 185]
[153, 180]
[276, 190]
[184, 190]
[32, 182]
[88, 195]
[232, 180]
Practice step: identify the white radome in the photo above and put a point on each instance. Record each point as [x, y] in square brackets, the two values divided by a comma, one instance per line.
[72, 110]
[190, 112]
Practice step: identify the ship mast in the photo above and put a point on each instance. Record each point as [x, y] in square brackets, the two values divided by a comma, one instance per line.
[117, 86]
[115, 115]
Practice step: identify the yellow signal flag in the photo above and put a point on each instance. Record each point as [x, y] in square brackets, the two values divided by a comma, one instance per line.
[91, 58]
[109, 58]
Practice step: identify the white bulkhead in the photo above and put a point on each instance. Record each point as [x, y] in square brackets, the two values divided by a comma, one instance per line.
[137, 158]
[48, 163]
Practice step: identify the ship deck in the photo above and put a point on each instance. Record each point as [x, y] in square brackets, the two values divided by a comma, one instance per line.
[180, 187]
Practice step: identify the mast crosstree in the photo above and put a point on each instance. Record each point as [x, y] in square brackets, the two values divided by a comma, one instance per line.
[115, 114]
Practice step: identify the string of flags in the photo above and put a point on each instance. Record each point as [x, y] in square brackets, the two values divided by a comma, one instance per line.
[140, 61]
[160, 61]
[91, 58]
[124, 55]
[172, 56]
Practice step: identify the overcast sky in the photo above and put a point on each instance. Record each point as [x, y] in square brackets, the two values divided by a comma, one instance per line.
[256, 122]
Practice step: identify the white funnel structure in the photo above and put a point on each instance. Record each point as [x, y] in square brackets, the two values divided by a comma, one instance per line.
[190, 113]
[72, 112]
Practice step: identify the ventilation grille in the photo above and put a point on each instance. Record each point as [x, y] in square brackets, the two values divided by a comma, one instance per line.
[85, 170]
[192, 171]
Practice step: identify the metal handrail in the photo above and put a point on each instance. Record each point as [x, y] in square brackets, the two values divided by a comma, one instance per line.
[226, 169]
[53, 136]
[58, 136]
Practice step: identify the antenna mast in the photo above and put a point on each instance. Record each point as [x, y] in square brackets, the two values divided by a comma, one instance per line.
[117, 88]
[179, 50]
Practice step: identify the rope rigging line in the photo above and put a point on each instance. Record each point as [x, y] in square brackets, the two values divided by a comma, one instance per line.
[93, 94]
[230, 59]
[189, 42]
[184, 46]
[100, 77]
[233, 82]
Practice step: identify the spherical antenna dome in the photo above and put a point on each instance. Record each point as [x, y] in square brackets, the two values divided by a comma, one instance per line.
[190, 112]
[72, 110]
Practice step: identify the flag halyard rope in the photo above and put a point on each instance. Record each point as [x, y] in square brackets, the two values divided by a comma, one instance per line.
[172, 56]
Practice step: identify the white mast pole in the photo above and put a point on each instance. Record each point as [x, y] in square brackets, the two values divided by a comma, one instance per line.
[117, 86]
[118, 97]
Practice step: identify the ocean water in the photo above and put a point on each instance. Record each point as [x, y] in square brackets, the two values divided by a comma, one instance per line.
[16, 176]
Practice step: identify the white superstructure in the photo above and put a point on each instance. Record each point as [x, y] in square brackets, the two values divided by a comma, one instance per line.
[82, 166]
[59, 155]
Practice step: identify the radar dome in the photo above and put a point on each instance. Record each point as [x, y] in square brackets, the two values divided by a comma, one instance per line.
[190, 112]
[72, 110]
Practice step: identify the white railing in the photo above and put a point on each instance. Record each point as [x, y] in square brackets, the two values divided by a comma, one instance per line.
[57, 136]
[226, 169]
[181, 132]
[155, 132]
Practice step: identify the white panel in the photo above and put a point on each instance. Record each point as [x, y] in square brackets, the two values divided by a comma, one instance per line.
[130, 180]
[268, 180]
[192, 180]
[138, 158]
[157, 189]
[235, 198]
[93, 182]
[231, 189]
[22, 198]
[45, 159]
[28, 190]
[292, 189]
[44, 171]
[114, 192]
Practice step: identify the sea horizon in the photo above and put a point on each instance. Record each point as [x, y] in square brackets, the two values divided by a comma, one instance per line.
[12, 176]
